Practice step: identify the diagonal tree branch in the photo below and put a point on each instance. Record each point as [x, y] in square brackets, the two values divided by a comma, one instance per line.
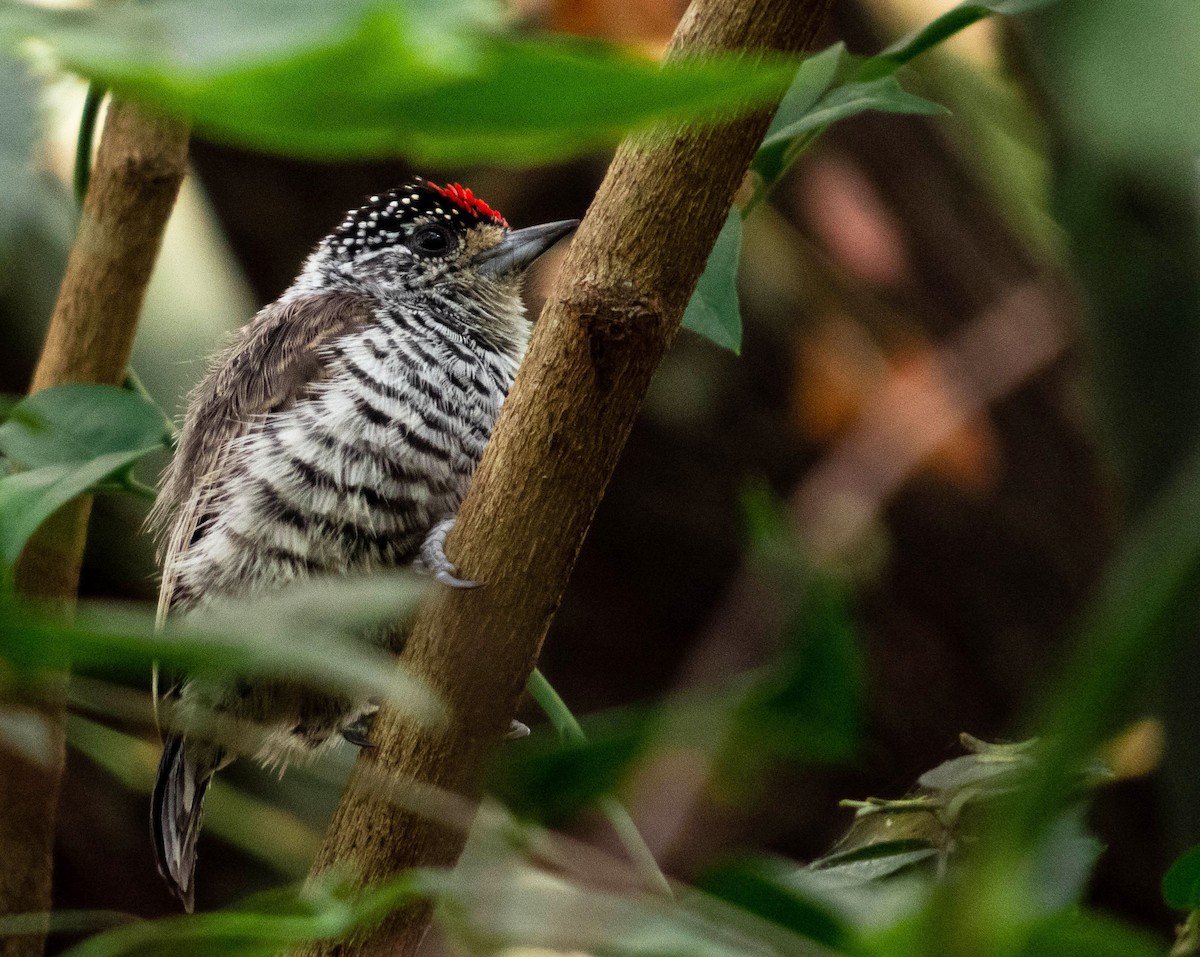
[613, 313]
[139, 166]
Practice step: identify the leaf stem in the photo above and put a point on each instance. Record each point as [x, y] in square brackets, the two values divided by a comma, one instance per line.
[569, 729]
[87, 133]
[134, 383]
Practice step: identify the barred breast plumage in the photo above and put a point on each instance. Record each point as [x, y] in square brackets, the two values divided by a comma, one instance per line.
[337, 433]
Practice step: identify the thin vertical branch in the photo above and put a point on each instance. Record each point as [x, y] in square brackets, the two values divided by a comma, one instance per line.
[139, 167]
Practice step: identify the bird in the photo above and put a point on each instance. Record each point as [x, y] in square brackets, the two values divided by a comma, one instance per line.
[335, 434]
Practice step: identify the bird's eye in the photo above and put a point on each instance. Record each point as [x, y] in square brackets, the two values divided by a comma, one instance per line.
[431, 240]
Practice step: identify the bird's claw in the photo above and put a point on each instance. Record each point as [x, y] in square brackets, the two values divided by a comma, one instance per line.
[433, 557]
[358, 732]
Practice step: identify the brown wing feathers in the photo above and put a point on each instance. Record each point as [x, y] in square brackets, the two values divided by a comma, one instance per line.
[267, 367]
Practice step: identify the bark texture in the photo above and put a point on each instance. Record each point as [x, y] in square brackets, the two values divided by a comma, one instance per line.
[614, 311]
[139, 167]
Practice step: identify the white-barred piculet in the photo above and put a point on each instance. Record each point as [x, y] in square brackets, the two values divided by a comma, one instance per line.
[336, 433]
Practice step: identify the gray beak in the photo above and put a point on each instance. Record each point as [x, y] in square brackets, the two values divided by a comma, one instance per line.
[521, 247]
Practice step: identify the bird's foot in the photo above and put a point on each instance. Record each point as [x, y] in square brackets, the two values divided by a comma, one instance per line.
[433, 556]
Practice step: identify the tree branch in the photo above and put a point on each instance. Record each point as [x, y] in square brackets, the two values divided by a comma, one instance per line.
[613, 313]
[139, 166]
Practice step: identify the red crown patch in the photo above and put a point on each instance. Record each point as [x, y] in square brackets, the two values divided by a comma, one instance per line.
[468, 202]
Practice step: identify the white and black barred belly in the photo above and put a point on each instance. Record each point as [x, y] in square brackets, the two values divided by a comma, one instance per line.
[355, 473]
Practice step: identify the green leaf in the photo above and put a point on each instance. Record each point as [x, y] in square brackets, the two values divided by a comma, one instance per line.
[381, 77]
[497, 899]
[755, 886]
[545, 780]
[230, 814]
[67, 440]
[813, 79]
[1089, 935]
[832, 86]
[870, 862]
[319, 621]
[939, 30]
[713, 310]
[809, 706]
[29, 498]
[1181, 883]
[884, 95]
[262, 926]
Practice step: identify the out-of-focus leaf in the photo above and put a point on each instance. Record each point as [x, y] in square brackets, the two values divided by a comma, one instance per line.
[439, 83]
[809, 706]
[755, 885]
[497, 899]
[1148, 590]
[1089, 935]
[266, 924]
[1063, 863]
[230, 814]
[63, 922]
[317, 621]
[1124, 75]
[941, 29]
[542, 779]
[713, 310]
[65, 441]
[1181, 883]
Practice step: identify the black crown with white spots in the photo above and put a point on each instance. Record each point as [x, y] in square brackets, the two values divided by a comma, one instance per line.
[385, 218]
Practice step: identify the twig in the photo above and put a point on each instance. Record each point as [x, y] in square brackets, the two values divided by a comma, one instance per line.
[139, 167]
[569, 729]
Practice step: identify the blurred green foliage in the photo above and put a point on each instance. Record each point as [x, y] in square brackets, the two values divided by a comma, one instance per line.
[454, 82]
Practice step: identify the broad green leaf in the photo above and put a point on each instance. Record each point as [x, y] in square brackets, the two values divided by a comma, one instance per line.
[713, 310]
[65, 441]
[28, 498]
[383, 77]
[76, 423]
[318, 621]
[813, 79]
[1181, 883]
[870, 862]
[884, 95]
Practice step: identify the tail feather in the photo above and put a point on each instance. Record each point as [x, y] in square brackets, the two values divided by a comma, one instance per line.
[177, 810]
